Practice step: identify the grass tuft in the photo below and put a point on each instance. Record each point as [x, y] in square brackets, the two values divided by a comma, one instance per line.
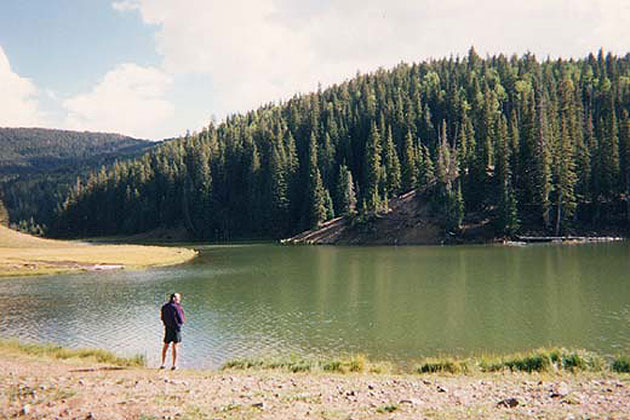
[621, 364]
[389, 408]
[356, 363]
[544, 360]
[58, 352]
[443, 365]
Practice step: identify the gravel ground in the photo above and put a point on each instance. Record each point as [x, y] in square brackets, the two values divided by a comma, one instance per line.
[37, 388]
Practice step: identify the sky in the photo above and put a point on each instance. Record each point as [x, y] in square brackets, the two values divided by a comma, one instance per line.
[155, 69]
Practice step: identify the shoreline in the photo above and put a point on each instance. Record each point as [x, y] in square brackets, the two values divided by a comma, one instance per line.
[39, 385]
[18, 262]
[26, 255]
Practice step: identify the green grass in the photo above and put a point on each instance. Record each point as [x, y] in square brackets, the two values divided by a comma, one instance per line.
[58, 352]
[545, 360]
[443, 365]
[356, 363]
[390, 408]
[540, 360]
[621, 364]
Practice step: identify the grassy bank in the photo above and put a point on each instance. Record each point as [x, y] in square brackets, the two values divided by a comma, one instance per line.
[55, 352]
[22, 255]
[539, 361]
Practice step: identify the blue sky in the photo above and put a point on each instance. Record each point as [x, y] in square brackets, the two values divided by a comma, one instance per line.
[68, 44]
[156, 68]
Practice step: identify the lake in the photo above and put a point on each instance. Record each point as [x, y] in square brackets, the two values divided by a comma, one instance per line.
[390, 303]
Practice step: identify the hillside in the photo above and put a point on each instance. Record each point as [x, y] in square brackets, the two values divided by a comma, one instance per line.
[38, 166]
[518, 145]
[408, 221]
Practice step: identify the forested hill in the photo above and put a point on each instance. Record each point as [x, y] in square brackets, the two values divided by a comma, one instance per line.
[38, 167]
[30, 150]
[531, 146]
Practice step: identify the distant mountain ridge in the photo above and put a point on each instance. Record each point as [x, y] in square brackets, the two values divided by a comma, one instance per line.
[38, 166]
[41, 150]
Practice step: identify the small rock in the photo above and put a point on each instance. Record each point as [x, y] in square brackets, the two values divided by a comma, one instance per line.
[351, 393]
[89, 416]
[508, 403]
[424, 381]
[26, 410]
[409, 401]
[260, 405]
[441, 389]
[560, 390]
[370, 386]
[81, 382]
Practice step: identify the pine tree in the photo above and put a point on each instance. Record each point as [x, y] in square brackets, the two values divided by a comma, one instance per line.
[372, 167]
[507, 221]
[426, 168]
[279, 193]
[542, 165]
[328, 204]
[346, 198]
[564, 159]
[315, 206]
[392, 166]
[590, 180]
[624, 152]
[449, 192]
[609, 146]
[409, 174]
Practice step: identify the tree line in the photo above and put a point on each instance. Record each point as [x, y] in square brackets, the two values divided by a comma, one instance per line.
[536, 146]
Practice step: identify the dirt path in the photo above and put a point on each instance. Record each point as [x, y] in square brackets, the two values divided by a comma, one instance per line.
[32, 388]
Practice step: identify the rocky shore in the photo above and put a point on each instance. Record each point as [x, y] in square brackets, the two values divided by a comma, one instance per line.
[38, 388]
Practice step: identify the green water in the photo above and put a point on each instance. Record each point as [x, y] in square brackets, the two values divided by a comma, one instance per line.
[394, 303]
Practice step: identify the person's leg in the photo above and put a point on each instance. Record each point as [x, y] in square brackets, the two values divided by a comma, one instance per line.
[174, 355]
[164, 350]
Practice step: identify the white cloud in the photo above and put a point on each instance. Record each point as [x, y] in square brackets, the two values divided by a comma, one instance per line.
[18, 102]
[260, 50]
[130, 100]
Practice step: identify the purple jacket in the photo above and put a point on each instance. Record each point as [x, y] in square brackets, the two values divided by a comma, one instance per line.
[173, 315]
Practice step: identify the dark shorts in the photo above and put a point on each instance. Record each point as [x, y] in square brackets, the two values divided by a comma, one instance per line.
[171, 335]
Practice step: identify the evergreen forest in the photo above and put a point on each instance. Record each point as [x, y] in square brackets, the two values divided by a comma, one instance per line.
[533, 146]
[38, 168]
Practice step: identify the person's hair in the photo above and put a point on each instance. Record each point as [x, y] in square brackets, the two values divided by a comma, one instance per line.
[173, 295]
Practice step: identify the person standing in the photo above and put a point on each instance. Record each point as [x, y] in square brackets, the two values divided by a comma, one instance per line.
[173, 318]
